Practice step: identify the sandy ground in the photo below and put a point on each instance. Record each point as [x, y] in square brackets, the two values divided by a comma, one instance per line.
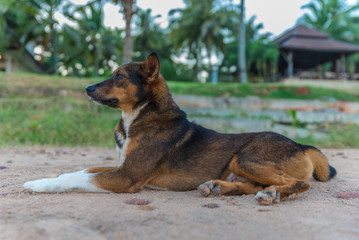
[316, 214]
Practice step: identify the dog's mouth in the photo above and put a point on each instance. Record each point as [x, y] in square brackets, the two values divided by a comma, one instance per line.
[112, 102]
[94, 100]
[98, 97]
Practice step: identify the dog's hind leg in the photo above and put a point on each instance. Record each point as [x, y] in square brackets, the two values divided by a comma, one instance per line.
[280, 184]
[219, 187]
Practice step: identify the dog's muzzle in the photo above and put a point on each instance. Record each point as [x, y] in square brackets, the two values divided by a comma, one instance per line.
[90, 89]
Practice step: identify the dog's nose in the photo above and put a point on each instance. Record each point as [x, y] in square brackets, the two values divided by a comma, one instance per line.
[90, 89]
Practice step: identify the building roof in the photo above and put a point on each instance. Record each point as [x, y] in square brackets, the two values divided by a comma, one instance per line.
[310, 48]
[308, 39]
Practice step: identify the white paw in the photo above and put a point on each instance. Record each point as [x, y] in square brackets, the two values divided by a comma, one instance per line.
[71, 182]
[44, 185]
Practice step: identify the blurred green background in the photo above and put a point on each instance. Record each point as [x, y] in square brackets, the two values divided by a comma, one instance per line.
[200, 44]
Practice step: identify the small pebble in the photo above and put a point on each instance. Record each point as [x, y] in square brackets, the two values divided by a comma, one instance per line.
[137, 201]
[348, 195]
[263, 210]
[211, 205]
[146, 208]
[42, 151]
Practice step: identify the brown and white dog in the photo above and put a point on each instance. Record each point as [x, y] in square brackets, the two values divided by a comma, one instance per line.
[160, 148]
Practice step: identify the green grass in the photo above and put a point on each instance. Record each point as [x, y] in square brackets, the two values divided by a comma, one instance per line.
[48, 110]
[56, 122]
[339, 136]
[274, 90]
[31, 85]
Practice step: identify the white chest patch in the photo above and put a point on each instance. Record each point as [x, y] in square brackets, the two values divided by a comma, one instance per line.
[128, 119]
[121, 139]
[70, 182]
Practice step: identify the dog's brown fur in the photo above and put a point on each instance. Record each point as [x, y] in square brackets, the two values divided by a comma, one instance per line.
[161, 148]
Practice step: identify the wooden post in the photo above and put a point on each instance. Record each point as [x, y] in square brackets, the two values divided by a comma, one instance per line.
[337, 68]
[320, 71]
[342, 66]
[8, 63]
[290, 64]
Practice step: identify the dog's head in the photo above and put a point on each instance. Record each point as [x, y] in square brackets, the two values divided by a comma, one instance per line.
[128, 85]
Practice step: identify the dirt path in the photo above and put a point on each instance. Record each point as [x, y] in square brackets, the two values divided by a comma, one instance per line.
[317, 214]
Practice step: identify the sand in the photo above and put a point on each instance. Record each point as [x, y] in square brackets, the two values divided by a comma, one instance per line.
[316, 214]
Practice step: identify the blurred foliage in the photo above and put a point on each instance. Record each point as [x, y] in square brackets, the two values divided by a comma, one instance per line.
[334, 17]
[198, 33]
[213, 21]
[261, 53]
[339, 20]
[89, 46]
[150, 37]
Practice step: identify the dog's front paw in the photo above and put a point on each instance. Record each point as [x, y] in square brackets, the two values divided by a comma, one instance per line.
[208, 188]
[268, 197]
[42, 185]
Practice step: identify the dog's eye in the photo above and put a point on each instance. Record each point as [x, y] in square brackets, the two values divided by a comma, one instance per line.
[119, 76]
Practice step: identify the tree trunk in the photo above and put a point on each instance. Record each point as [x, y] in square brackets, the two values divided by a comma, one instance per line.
[196, 54]
[290, 64]
[128, 13]
[96, 57]
[209, 54]
[242, 46]
[53, 44]
[199, 61]
[342, 67]
[195, 66]
[8, 68]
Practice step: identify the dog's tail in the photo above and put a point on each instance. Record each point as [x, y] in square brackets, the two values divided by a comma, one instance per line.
[322, 170]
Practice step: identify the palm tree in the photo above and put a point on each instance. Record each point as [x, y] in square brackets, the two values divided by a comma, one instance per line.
[45, 11]
[77, 52]
[89, 48]
[200, 25]
[89, 19]
[18, 24]
[149, 36]
[261, 53]
[148, 33]
[185, 33]
[5, 6]
[128, 10]
[333, 17]
[242, 45]
[212, 33]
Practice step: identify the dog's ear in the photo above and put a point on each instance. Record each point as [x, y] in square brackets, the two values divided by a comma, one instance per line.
[150, 68]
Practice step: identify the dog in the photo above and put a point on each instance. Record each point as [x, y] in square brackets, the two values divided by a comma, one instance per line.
[160, 148]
